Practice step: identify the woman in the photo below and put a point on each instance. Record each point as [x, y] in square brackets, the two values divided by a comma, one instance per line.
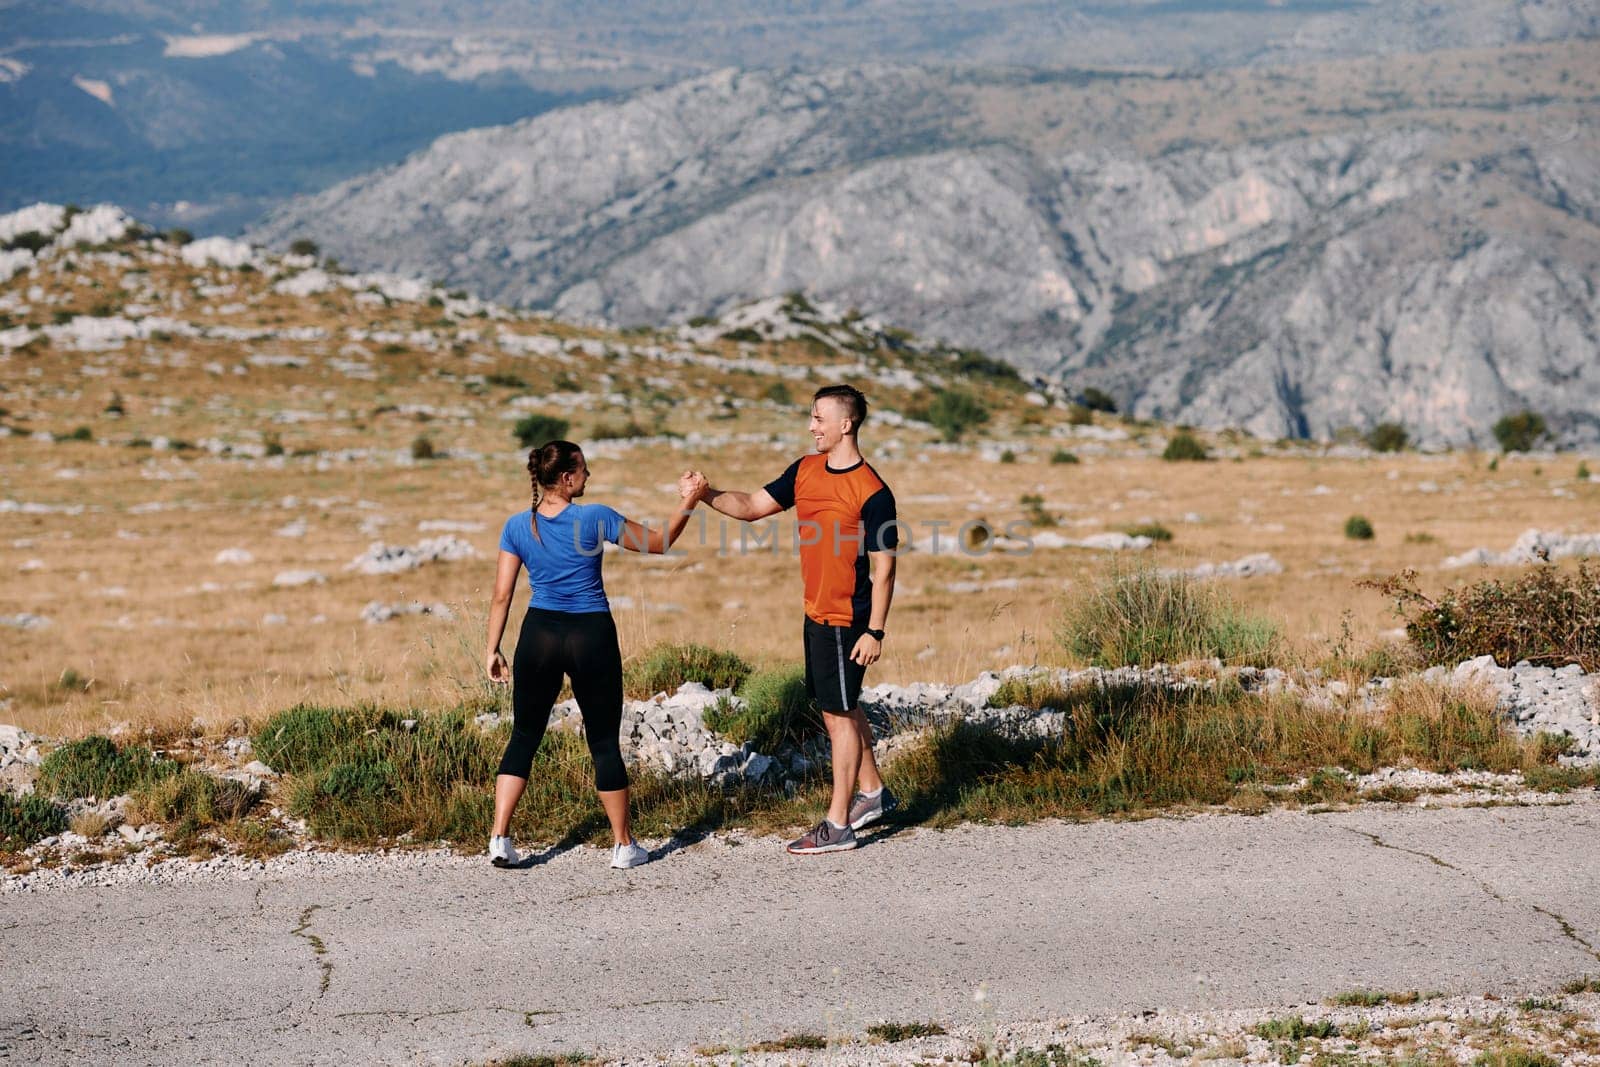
[568, 631]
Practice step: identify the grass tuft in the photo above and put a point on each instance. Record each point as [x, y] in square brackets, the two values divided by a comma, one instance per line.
[96, 766]
[890, 1033]
[1294, 1029]
[24, 820]
[792, 1043]
[1139, 617]
[664, 668]
[776, 711]
[1514, 1056]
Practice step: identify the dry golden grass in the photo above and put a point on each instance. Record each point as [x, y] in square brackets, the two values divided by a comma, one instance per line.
[148, 629]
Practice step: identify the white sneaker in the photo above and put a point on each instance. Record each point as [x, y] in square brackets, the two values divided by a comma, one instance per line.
[501, 854]
[630, 855]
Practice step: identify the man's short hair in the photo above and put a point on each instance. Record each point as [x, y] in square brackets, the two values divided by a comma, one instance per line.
[855, 404]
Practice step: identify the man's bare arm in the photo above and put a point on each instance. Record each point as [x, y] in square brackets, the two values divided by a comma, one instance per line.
[747, 507]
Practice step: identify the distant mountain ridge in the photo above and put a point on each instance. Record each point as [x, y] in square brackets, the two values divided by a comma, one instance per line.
[1347, 260]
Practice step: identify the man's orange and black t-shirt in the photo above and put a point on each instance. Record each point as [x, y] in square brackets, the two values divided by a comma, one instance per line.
[842, 515]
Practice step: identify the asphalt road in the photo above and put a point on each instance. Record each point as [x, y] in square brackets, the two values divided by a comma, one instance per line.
[724, 943]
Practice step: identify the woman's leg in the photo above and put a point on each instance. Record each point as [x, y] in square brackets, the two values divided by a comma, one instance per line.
[535, 683]
[596, 672]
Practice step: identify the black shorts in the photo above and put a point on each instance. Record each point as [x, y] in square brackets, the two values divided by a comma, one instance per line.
[833, 680]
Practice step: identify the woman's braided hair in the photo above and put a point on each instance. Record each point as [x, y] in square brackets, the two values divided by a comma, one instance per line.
[546, 465]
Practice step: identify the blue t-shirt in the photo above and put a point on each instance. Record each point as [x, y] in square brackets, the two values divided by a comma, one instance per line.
[564, 564]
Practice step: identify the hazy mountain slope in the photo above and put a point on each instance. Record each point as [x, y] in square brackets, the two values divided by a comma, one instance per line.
[1416, 242]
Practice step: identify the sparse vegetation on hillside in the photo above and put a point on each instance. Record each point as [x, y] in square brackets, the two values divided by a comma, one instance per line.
[1387, 437]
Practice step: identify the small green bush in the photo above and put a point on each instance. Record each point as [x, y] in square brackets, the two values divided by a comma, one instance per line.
[1514, 1056]
[955, 413]
[1078, 415]
[617, 431]
[1544, 616]
[300, 738]
[1583, 471]
[1388, 437]
[1098, 400]
[95, 766]
[1295, 1029]
[422, 448]
[534, 430]
[1520, 432]
[1357, 528]
[889, 1033]
[776, 711]
[1142, 616]
[29, 240]
[505, 381]
[1061, 455]
[303, 246]
[1153, 530]
[778, 393]
[664, 668]
[24, 820]
[1008, 456]
[191, 799]
[1183, 446]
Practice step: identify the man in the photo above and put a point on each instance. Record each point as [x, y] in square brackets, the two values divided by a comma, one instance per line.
[847, 534]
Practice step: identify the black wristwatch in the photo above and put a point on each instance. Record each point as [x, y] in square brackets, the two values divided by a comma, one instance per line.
[876, 635]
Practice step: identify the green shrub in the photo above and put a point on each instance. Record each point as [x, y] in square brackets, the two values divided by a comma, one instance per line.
[192, 800]
[1061, 455]
[300, 738]
[664, 668]
[1514, 1056]
[1153, 530]
[971, 363]
[1078, 415]
[95, 766]
[1357, 528]
[614, 431]
[534, 430]
[776, 711]
[1143, 616]
[743, 335]
[1543, 616]
[24, 820]
[30, 240]
[1520, 432]
[303, 246]
[505, 381]
[892, 1032]
[1295, 1029]
[778, 393]
[1583, 471]
[422, 448]
[1387, 437]
[956, 412]
[1008, 456]
[1098, 400]
[1184, 446]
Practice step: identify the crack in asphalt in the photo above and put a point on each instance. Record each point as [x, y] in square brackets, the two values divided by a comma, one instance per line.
[418, 1016]
[1567, 929]
[318, 947]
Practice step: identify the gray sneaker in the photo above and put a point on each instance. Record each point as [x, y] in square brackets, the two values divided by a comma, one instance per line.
[865, 810]
[823, 837]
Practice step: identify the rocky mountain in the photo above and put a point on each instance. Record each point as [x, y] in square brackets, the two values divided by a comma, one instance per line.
[1413, 239]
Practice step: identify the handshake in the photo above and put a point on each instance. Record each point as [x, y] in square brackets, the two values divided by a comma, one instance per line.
[692, 488]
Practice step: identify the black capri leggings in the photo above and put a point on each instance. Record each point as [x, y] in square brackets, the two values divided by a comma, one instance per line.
[582, 646]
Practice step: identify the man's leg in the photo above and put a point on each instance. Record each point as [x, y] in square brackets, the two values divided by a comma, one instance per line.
[868, 777]
[845, 742]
